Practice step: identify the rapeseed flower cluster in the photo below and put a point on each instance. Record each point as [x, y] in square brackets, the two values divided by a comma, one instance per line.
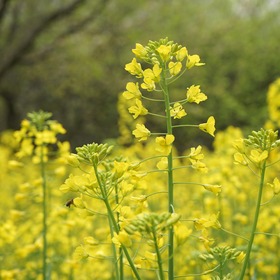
[109, 211]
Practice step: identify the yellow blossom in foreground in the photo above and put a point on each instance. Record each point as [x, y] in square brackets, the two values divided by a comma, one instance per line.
[174, 68]
[132, 91]
[151, 76]
[193, 60]
[138, 109]
[141, 132]
[177, 111]
[140, 51]
[164, 144]
[164, 52]
[196, 153]
[209, 126]
[194, 94]
[134, 68]
[182, 54]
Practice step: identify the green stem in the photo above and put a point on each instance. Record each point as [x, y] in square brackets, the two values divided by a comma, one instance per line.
[113, 223]
[161, 275]
[255, 222]
[44, 209]
[164, 87]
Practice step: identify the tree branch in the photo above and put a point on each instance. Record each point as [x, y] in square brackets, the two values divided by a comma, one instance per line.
[74, 28]
[3, 7]
[15, 52]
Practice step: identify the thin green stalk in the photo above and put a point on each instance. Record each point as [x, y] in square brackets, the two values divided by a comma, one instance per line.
[44, 209]
[159, 260]
[255, 222]
[164, 87]
[113, 223]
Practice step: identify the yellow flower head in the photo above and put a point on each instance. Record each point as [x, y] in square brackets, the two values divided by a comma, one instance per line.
[194, 94]
[137, 109]
[164, 52]
[240, 159]
[140, 51]
[209, 126]
[151, 77]
[216, 189]
[181, 54]
[193, 60]
[164, 144]
[257, 156]
[177, 111]
[174, 68]
[122, 239]
[196, 153]
[132, 91]
[275, 185]
[134, 68]
[141, 132]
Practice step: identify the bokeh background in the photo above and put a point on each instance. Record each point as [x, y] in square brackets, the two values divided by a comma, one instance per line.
[68, 57]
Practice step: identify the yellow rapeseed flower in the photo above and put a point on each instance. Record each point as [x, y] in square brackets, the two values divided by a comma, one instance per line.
[194, 94]
[141, 132]
[209, 126]
[174, 68]
[137, 109]
[140, 51]
[134, 68]
[164, 144]
[193, 60]
[132, 91]
[177, 111]
[164, 52]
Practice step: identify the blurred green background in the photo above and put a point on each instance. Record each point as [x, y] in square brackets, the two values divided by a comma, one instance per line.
[68, 57]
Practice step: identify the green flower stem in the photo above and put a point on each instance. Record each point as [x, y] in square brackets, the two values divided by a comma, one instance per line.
[115, 228]
[44, 209]
[255, 222]
[159, 260]
[164, 87]
[185, 125]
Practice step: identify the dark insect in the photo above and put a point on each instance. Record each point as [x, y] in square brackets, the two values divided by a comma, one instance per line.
[69, 202]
